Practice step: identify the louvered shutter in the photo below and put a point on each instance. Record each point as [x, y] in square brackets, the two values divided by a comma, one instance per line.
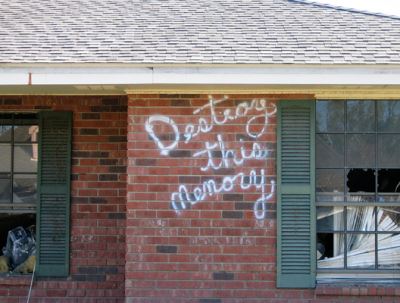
[54, 193]
[296, 186]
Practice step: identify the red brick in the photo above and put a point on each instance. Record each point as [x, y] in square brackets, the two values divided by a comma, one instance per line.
[84, 242]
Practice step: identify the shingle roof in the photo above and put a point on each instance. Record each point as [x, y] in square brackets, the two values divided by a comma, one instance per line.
[193, 31]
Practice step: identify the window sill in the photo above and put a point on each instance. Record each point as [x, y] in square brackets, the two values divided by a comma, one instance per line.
[7, 279]
[357, 290]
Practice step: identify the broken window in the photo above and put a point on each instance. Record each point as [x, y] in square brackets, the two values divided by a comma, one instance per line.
[18, 187]
[358, 188]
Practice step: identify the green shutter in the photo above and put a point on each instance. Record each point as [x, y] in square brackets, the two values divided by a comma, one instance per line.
[54, 193]
[296, 187]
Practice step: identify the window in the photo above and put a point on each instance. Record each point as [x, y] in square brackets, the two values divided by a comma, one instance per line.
[18, 181]
[18, 162]
[35, 152]
[338, 191]
[358, 188]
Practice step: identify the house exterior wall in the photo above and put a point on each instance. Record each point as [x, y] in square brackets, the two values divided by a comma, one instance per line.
[98, 203]
[186, 223]
[197, 230]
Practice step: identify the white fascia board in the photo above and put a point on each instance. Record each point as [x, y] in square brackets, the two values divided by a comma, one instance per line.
[280, 76]
[273, 75]
[13, 77]
[74, 75]
[91, 76]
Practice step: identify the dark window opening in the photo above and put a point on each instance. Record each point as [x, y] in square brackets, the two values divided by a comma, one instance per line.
[11, 221]
[389, 180]
[361, 180]
[324, 246]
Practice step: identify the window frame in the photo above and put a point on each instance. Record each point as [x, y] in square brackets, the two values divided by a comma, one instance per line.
[347, 271]
[19, 119]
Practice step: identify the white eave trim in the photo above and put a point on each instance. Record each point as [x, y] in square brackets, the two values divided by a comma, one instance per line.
[280, 76]
[158, 75]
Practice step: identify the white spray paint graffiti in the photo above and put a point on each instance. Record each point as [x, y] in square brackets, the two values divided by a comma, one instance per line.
[185, 196]
[229, 156]
[164, 150]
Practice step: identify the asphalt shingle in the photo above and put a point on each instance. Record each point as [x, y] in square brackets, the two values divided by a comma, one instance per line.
[193, 31]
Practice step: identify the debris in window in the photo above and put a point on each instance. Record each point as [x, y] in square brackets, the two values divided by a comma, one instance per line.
[359, 248]
[20, 250]
[4, 261]
[27, 267]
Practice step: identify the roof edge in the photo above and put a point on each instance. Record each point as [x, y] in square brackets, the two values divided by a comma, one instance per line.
[195, 65]
[346, 9]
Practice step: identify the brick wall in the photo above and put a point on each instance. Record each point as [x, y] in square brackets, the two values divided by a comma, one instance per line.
[98, 203]
[196, 227]
[197, 230]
